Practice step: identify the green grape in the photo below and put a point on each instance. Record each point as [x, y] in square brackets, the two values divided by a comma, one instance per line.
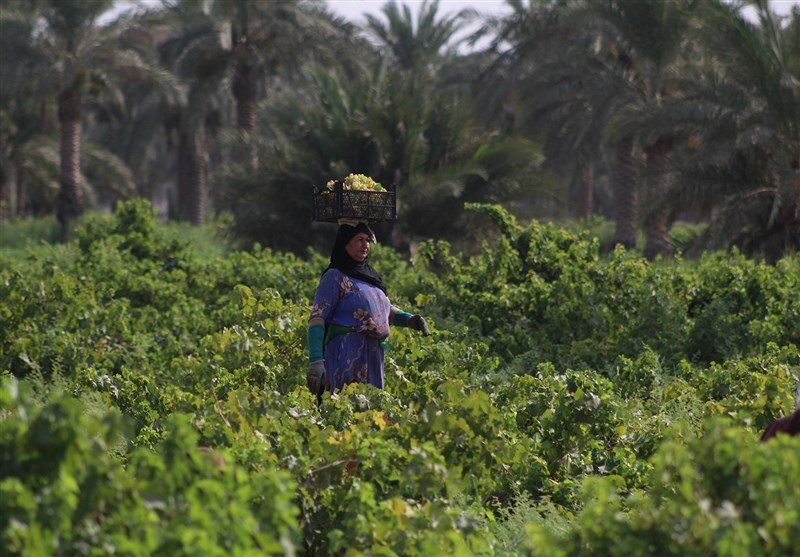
[361, 182]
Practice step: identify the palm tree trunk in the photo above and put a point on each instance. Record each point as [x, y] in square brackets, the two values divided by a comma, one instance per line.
[244, 93]
[7, 195]
[658, 219]
[70, 196]
[656, 230]
[192, 178]
[6, 208]
[625, 195]
[20, 192]
[584, 201]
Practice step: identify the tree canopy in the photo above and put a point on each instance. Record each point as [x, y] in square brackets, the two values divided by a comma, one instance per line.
[649, 113]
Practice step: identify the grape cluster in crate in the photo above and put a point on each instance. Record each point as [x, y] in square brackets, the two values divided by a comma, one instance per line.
[357, 197]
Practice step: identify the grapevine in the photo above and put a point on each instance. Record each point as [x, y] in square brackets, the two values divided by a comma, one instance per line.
[599, 404]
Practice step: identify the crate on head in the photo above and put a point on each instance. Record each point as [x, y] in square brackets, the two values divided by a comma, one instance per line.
[331, 204]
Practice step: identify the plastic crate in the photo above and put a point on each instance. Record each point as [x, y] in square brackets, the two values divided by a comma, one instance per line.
[331, 205]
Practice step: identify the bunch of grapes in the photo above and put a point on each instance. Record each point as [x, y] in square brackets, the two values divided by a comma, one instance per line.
[358, 182]
[361, 198]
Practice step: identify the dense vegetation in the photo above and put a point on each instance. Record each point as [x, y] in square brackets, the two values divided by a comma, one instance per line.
[568, 402]
[575, 398]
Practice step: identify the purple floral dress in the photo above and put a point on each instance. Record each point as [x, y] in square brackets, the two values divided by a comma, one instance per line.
[346, 301]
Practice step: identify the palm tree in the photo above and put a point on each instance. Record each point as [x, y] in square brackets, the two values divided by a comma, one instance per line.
[71, 60]
[527, 86]
[433, 140]
[416, 46]
[132, 124]
[243, 49]
[738, 121]
[569, 101]
[648, 37]
[316, 133]
[21, 123]
[80, 53]
[399, 123]
[575, 66]
[416, 52]
[343, 125]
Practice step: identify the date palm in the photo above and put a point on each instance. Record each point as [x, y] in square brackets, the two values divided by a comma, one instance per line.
[574, 66]
[23, 129]
[242, 50]
[416, 46]
[397, 123]
[738, 121]
[533, 79]
[442, 156]
[360, 125]
[416, 53]
[757, 59]
[132, 124]
[315, 133]
[67, 58]
[244, 44]
[569, 101]
[648, 38]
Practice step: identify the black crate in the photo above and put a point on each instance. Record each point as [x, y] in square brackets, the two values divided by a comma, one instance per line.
[332, 204]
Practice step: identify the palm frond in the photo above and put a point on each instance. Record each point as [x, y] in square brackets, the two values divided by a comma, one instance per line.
[747, 54]
[107, 174]
[38, 170]
[737, 219]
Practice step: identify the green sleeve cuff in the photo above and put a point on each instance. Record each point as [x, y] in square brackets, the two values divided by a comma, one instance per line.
[401, 318]
[316, 333]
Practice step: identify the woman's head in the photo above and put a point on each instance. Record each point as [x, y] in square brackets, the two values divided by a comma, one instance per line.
[358, 247]
[353, 241]
[350, 252]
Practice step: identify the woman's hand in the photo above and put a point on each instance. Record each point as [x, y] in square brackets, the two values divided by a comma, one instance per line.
[418, 322]
[315, 377]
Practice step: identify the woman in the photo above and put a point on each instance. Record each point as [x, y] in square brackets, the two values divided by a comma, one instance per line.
[351, 316]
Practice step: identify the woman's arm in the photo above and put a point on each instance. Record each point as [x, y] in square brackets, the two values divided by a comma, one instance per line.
[316, 335]
[402, 318]
[398, 317]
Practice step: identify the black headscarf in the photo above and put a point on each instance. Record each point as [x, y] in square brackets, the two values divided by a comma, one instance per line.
[342, 261]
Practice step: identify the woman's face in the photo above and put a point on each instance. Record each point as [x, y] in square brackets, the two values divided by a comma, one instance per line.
[358, 247]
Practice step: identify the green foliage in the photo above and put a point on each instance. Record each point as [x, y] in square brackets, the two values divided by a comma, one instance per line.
[752, 388]
[545, 293]
[65, 493]
[153, 402]
[722, 493]
[738, 304]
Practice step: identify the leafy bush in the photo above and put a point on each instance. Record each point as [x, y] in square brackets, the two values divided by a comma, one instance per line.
[65, 493]
[719, 494]
[153, 402]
